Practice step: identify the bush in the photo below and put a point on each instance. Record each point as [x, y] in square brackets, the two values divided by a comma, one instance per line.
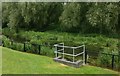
[94, 49]
[6, 42]
[104, 60]
[17, 46]
[47, 51]
[32, 48]
[11, 33]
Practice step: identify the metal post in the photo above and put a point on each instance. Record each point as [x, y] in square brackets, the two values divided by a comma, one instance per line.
[63, 50]
[119, 52]
[3, 43]
[56, 51]
[24, 48]
[84, 55]
[112, 61]
[12, 44]
[73, 54]
[39, 48]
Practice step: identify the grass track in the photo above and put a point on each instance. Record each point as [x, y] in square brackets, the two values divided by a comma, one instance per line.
[14, 62]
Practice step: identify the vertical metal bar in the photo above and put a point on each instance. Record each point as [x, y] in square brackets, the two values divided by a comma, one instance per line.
[63, 50]
[56, 51]
[39, 48]
[112, 61]
[119, 60]
[24, 48]
[84, 55]
[2, 43]
[11, 46]
[73, 55]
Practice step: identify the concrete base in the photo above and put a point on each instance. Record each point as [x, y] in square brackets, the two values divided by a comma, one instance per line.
[76, 64]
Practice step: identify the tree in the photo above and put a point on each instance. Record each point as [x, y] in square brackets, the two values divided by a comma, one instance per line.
[5, 14]
[73, 18]
[103, 16]
[41, 15]
[70, 17]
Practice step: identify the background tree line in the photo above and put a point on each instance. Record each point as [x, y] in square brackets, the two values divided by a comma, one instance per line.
[103, 18]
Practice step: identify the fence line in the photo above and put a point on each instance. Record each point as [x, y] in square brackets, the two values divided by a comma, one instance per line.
[112, 57]
[86, 53]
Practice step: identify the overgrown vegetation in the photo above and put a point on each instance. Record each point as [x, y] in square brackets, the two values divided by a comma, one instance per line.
[94, 24]
[94, 45]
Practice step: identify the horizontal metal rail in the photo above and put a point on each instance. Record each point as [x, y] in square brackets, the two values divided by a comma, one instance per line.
[68, 46]
[64, 53]
[79, 54]
[79, 46]
[70, 54]
[60, 50]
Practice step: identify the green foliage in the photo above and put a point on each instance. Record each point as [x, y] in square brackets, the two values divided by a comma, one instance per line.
[6, 41]
[104, 60]
[95, 44]
[47, 51]
[71, 15]
[17, 46]
[103, 16]
[11, 33]
[74, 17]
[30, 14]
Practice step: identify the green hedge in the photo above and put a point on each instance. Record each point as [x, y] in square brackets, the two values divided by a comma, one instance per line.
[29, 47]
[6, 41]
[17, 46]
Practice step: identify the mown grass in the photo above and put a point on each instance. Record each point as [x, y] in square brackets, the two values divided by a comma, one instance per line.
[15, 62]
[0, 60]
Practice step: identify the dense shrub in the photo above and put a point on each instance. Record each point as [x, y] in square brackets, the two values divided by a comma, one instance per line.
[93, 49]
[47, 51]
[0, 30]
[6, 41]
[17, 46]
[95, 44]
[104, 60]
[11, 33]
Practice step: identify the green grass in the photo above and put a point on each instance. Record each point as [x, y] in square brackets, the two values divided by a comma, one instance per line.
[15, 62]
[0, 61]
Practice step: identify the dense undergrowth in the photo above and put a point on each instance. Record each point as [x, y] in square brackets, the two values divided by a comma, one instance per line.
[95, 44]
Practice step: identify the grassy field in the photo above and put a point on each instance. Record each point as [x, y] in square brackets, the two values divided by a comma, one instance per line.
[15, 62]
[0, 61]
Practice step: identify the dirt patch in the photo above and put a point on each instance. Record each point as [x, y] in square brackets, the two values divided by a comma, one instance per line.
[63, 65]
